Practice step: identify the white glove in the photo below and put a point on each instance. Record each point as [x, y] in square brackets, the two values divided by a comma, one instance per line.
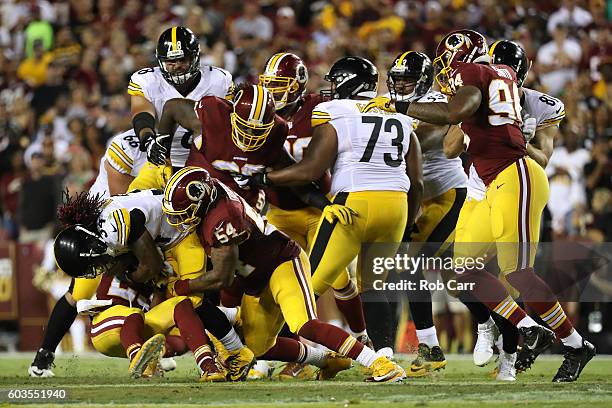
[528, 128]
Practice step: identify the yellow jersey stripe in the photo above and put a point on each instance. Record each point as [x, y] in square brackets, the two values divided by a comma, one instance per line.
[319, 121]
[126, 224]
[122, 153]
[134, 93]
[116, 160]
[134, 85]
[119, 229]
[173, 35]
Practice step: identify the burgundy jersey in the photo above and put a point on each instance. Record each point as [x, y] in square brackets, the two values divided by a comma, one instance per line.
[496, 140]
[262, 248]
[216, 152]
[125, 293]
[300, 133]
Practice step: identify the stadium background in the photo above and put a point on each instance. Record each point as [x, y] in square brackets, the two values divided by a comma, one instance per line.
[64, 68]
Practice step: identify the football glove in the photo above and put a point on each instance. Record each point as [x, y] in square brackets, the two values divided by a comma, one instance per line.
[529, 128]
[342, 213]
[244, 182]
[381, 102]
[260, 180]
[157, 152]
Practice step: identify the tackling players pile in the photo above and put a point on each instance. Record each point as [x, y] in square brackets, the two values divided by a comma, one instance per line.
[217, 222]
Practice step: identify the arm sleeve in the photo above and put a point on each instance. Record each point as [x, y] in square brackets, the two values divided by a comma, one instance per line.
[118, 158]
[228, 228]
[136, 86]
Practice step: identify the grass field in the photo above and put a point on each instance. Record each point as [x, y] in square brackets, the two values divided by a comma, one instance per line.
[104, 381]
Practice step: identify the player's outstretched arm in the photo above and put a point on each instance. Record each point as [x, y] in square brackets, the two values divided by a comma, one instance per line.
[463, 105]
[225, 262]
[179, 111]
[414, 169]
[318, 157]
[540, 148]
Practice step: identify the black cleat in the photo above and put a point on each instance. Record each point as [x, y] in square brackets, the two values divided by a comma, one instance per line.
[43, 362]
[427, 360]
[536, 339]
[574, 361]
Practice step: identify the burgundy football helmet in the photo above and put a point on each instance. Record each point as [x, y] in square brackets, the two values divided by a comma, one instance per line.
[253, 117]
[285, 76]
[187, 191]
[458, 46]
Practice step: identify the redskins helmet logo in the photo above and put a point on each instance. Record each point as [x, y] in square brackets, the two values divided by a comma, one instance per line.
[456, 41]
[301, 74]
[196, 190]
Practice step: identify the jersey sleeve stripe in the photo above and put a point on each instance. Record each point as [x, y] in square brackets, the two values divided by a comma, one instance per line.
[117, 162]
[135, 85]
[122, 219]
[122, 153]
[134, 93]
[119, 229]
[556, 118]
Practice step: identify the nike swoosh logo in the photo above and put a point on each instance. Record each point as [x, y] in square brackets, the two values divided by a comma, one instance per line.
[500, 185]
[532, 346]
[558, 110]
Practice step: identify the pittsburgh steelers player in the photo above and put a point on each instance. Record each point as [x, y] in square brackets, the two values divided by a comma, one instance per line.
[376, 160]
[410, 78]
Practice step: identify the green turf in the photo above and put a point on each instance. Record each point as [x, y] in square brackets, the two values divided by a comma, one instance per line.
[104, 381]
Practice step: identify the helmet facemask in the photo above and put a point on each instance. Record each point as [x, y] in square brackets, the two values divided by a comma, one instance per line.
[403, 88]
[179, 78]
[187, 219]
[281, 88]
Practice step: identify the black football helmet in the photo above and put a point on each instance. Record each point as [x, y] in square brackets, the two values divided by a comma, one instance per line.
[177, 43]
[408, 68]
[81, 253]
[350, 76]
[513, 55]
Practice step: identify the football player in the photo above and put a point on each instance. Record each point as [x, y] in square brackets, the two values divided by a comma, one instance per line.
[275, 274]
[373, 169]
[286, 76]
[178, 75]
[128, 223]
[119, 166]
[444, 189]
[486, 100]
[541, 114]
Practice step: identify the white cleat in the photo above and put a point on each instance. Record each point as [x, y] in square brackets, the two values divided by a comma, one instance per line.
[260, 371]
[167, 364]
[506, 370]
[40, 373]
[483, 349]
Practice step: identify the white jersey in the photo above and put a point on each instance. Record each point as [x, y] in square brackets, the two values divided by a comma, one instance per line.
[150, 83]
[371, 146]
[119, 217]
[124, 155]
[547, 111]
[440, 173]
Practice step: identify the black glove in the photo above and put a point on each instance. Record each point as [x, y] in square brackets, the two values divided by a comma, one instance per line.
[402, 106]
[259, 180]
[157, 151]
[146, 140]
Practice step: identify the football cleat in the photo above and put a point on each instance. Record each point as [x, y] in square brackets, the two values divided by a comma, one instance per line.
[385, 370]
[536, 339]
[220, 350]
[146, 361]
[505, 367]
[427, 360]
[42, 364]
[211, 371]
[239, 363]
[483, 349]
[296, 371]
[574, 361]
[333, 364]
[167, 364]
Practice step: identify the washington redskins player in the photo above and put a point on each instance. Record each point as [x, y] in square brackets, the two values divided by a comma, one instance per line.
[275, 275]
[286, 76]
[484, 98]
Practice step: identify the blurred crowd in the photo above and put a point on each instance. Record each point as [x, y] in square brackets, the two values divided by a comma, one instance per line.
[65, 65]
